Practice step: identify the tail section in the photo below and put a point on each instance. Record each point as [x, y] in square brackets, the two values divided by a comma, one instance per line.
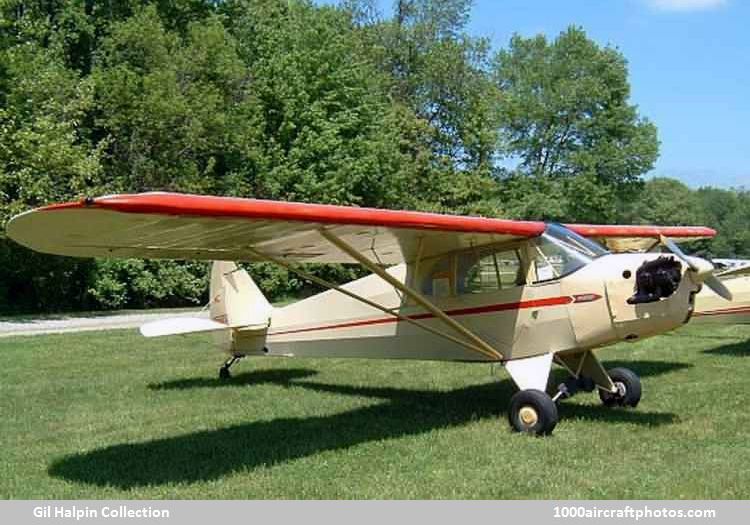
[236, 300]
[238, 311]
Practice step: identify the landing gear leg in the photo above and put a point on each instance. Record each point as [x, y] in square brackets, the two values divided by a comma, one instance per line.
[572, 385]
[224, 373]
[586, 373]
[619, 387]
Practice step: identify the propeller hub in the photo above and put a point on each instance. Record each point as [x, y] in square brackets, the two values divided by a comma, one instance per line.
[702, 271]
[701, 268]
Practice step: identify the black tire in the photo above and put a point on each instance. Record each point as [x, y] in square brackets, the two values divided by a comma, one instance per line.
[533, 412]
[224, 374]
[629, 389]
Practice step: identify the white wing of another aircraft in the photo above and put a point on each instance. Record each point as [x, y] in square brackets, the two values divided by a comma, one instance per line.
[731, 267]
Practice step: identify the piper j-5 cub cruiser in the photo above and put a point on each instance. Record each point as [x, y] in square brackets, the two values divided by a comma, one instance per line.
[524, 294]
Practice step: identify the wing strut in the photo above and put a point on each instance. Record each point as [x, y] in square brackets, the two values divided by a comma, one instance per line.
[417, 297]
[389, 311]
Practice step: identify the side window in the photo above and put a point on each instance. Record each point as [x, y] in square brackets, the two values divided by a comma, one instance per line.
[439, 282]
[489, 271]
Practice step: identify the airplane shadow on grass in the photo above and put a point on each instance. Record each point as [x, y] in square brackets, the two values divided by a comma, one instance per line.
[687, 335]
[741, 349]
[283, 377]
[211, 454]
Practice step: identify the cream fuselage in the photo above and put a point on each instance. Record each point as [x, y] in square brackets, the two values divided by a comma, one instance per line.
[580, 311]
[710, 308]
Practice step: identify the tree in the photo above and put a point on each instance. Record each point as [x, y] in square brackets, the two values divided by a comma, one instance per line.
[565, 116]
[322, 126]
[45, 154]
[666, 201]
[165, 104]
[437, 74]
[728, 211]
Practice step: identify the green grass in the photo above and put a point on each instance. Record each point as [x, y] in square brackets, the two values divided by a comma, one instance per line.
[113, 415]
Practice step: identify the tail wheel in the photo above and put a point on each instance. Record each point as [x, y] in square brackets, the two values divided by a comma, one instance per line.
[628, 386]
[533, 412]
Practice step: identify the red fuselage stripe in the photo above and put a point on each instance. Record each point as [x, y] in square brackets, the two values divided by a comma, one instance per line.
[725, 311]
[534, 303]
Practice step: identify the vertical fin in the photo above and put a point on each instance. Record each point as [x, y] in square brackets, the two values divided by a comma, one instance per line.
[235, 298]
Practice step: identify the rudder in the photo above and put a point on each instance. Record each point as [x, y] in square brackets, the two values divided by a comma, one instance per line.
[235, 298]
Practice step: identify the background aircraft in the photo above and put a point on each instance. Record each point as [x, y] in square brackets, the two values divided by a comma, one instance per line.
[710, 308]
[521, 293]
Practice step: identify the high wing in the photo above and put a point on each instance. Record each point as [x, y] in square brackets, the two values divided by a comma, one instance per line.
[634, 238]
[179, 226]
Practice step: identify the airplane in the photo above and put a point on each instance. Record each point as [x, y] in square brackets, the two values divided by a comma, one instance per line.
[524, 294]
[712, 309]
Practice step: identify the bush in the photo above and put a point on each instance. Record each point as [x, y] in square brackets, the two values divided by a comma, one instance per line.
[134, 283]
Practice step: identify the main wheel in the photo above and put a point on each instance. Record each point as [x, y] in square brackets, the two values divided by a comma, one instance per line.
[532, 411]
[628, 386]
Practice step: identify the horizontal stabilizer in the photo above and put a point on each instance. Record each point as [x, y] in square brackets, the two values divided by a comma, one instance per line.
[180, 325]
[186, 325]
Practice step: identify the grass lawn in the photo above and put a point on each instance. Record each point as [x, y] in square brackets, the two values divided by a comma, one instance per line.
[114, 415]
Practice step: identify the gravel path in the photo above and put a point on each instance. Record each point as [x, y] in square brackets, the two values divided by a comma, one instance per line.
[82, 322]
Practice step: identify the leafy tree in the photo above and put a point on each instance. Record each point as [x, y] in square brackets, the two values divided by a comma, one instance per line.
[45, 154]
[164, 104]
[728, 211]
[119, 283]
[438, 75]
[566, 117]
[666, 201]
[323, 128]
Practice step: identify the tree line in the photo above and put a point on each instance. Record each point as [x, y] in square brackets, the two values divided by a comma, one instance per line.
[291, 100]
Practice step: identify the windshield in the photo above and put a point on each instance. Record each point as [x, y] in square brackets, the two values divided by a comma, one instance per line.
[575, 241]
[560, 251]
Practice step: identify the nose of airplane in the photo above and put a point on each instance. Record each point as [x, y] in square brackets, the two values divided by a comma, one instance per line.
[661, 277]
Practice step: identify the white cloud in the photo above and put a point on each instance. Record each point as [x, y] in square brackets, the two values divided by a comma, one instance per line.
[686, 5]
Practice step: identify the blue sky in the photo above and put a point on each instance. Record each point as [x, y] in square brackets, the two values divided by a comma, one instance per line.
[689, 70]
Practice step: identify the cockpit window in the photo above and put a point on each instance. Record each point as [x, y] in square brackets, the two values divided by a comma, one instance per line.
[488, 271]
[559, 252]
[483, 270]
[440, 280]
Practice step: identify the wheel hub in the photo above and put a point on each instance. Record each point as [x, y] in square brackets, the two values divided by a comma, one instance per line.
[621, 389]
[528, 416]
